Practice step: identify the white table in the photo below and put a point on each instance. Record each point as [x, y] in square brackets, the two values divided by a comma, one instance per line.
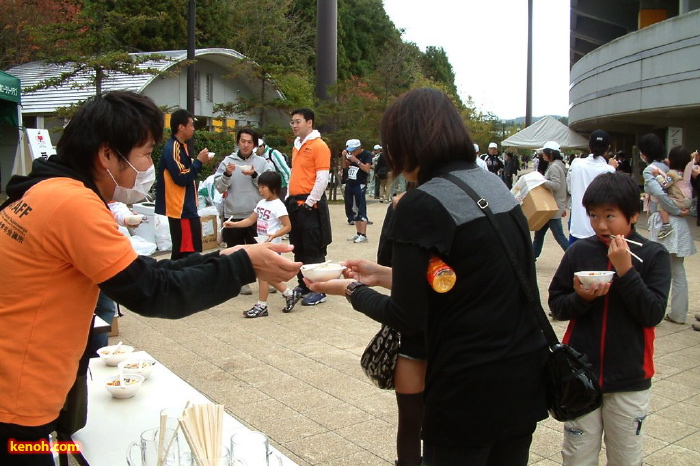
[113, 424]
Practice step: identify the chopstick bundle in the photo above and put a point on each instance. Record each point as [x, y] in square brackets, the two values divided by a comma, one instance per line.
[202, 426]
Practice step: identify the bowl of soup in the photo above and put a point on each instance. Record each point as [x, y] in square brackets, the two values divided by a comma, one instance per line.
[127, 389]
[591, 277]
[111, 355]
[322, 272]
[141, 366]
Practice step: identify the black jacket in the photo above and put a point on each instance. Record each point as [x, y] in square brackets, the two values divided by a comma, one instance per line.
[149, 287]
[617, 330]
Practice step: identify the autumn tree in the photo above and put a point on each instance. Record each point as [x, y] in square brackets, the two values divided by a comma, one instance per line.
[88, 47]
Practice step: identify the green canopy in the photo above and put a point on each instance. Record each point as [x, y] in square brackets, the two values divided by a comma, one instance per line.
[10, 88]
[10, 94]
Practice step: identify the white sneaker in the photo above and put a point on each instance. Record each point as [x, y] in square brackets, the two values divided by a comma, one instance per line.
[354, 237]
[361, 239]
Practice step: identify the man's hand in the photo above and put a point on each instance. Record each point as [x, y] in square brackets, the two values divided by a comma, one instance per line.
[230, 168]
[203, 156]
[269, 266]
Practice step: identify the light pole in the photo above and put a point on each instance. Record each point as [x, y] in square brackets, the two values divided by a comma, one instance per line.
[191, 14]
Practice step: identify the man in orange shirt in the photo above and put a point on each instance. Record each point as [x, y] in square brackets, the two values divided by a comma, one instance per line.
[307, 204]
[60, 246]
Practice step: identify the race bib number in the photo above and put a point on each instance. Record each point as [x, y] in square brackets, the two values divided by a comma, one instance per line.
[352, 172]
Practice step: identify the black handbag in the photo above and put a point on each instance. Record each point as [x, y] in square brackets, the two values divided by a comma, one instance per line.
[573, 388]
[379, 358]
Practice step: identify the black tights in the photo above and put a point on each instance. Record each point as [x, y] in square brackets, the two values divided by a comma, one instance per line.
[408, 444]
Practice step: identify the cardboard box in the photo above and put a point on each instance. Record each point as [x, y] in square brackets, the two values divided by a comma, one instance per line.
[539, 206]
[209, 231]
[114, 332]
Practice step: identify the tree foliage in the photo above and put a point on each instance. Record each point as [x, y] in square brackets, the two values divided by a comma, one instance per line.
[277, 37]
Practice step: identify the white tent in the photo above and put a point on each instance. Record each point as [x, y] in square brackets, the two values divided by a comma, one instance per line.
[543, 130]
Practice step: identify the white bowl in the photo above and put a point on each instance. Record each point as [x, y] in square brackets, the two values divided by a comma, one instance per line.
[123, 354]
[211, 155]
[133, 383]
[261, 238]
[322, 272]
[590, 277]
[245, 168]
[133, 220]
[131, 366]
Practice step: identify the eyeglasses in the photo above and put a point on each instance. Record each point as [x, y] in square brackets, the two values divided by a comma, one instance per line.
[296, 122]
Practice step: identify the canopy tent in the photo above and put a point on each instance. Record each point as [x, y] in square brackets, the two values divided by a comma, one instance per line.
[543, 130]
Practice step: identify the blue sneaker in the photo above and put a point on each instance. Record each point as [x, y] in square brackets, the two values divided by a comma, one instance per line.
[313, 299]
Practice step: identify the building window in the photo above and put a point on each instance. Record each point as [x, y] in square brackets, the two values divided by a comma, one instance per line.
[210, 87]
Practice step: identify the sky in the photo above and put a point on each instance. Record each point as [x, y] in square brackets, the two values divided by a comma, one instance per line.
[486, 43]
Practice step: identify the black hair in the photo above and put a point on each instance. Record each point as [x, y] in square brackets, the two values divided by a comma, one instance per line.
[423, 129]
[616, 189]
[678, 158]
[180, 117]
[306, 112]
[272, 180]
[553, 154]
[248, 130]
[651, 146]
[120, 120]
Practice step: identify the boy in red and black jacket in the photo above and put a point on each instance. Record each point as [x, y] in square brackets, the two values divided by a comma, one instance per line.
[613, 323]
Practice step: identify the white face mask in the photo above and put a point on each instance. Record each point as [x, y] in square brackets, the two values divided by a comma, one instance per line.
[137, 193]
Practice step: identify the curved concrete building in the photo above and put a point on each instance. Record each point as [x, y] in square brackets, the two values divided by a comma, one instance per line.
[636, 69]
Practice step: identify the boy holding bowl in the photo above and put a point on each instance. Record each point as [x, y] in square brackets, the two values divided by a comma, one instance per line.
[612, 323]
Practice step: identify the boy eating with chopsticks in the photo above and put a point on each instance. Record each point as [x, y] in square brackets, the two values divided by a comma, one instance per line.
[612, 323]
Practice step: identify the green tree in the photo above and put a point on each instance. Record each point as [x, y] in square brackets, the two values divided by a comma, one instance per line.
[436, 66]
[88, 49]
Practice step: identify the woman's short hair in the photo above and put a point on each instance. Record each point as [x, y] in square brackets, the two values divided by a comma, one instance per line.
[616, 189]
[272, 180]
[652, 147]
[120, 120]
[423, 129]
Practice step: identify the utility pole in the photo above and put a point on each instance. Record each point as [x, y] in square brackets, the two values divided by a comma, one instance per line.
[326, 46]
[191, 19]
[528, 92]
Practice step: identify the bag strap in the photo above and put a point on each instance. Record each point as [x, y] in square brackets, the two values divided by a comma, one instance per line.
[534, 301]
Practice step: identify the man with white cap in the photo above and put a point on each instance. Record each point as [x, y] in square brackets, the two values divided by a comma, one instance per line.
[479, 161]
[375, 181]
[581, 173]
[493, 163]
[358, 162]
[278, 161]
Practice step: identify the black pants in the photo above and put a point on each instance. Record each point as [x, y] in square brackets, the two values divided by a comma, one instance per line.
[236, 236]
[512, 450]
[186, 236]
[306, 238]
[24, 434]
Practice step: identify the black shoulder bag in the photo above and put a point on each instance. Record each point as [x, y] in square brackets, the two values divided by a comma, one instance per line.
[573, 388]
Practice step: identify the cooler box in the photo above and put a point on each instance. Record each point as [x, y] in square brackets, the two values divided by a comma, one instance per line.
[147, 228]
[539, 207]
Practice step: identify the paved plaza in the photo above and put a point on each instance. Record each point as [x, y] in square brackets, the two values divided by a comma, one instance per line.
[297, 377]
